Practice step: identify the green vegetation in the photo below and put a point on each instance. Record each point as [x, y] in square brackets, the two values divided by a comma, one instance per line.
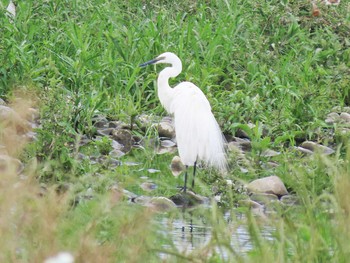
[268, 63]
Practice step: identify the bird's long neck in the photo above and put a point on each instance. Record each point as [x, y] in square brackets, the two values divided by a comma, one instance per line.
[165, 92]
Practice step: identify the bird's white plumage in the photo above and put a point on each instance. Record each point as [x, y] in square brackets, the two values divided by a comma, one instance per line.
[198, 134]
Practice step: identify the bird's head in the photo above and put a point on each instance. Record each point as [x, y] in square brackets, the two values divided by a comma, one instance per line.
[166, 58]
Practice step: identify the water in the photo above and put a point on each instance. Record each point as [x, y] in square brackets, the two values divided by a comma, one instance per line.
[190, 232]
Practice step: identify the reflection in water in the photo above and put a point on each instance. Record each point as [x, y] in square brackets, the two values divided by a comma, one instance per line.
[191, 232]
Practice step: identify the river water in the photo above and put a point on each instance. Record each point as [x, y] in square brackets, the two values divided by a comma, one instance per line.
[192, 231]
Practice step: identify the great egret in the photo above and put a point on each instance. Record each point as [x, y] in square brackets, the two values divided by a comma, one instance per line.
[198, 134]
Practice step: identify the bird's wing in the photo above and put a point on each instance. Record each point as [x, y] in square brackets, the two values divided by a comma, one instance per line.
[198, 134]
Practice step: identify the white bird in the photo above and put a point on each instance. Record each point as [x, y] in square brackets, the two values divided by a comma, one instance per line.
[198, 134]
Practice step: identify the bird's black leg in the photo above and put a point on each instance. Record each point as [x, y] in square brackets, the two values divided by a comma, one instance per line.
[185, 185]
[194, 174]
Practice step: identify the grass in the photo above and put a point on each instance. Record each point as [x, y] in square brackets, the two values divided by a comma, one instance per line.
[267, 63]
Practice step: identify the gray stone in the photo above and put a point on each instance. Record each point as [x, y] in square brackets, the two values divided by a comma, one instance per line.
[166, 129]
[345, 117]
[116, 153]
[116, 145]
[104, 131]
[123, 137]
[243, 144]
[241, 134]
[269, 185]
[100, 121]
[167, 143]
[142, 200]
[189, 199]
[161, 204]
[332, 118]
[176, 166]
[163, 150]
[144, 120]
[128, 194]
[303, 150]
[315, 147]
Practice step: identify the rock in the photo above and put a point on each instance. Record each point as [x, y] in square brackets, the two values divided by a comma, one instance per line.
[345, 117]
[176, 166]
[161, 204]
[131, 164]
[100, 121]
[163, 150]
[188, 199]
[104, 131]
[332, 118]
[166, 129]
[116, 145]
[116, 153]
[268, 185]
[128, 194]
[144, 121]
[167, 143]
[114, 124]
[123, 137]
[243, 144]
[141, 200]
[112, 163]
[241, 134]
[263, 198]
[315, 147]
[303, 150]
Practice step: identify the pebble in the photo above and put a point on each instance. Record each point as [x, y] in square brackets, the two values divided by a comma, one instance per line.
[269, 185]
[161, 204]
[176, 166]
[166, 129]
[345, 117]
[315, 147]
[123, 137]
